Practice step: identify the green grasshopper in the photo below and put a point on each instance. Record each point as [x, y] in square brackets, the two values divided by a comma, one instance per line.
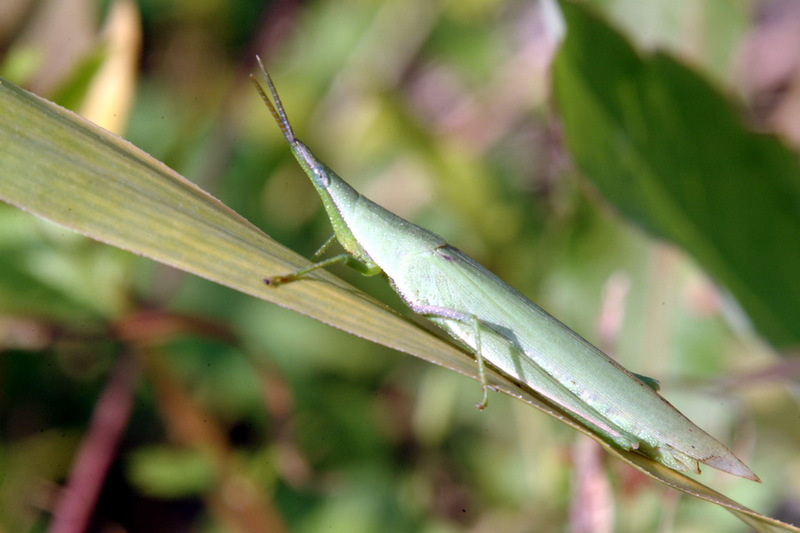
[499, 325]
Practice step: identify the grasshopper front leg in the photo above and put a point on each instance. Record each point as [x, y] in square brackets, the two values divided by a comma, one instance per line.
[274, 281]
[365, 268]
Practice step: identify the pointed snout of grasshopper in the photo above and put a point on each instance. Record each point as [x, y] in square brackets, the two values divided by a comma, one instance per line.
[318, 172]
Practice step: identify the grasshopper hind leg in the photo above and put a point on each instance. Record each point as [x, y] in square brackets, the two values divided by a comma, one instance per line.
[586, 414]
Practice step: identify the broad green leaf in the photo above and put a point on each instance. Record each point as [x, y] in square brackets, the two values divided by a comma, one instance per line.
[671, 153]
[67, 170]
[72, 172]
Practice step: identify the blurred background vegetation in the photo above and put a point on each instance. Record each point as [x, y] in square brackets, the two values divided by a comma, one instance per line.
[246, 417]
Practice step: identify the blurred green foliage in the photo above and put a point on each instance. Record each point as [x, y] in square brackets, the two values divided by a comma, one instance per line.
[672, 155]
[440, 112]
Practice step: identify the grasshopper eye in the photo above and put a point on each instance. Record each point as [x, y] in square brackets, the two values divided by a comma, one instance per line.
[320, 176]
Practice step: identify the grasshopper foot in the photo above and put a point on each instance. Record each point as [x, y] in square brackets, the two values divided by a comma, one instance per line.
[274, 281]
[484, 401]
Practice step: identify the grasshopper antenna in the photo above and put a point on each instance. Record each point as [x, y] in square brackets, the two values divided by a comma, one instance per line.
[275, 108]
